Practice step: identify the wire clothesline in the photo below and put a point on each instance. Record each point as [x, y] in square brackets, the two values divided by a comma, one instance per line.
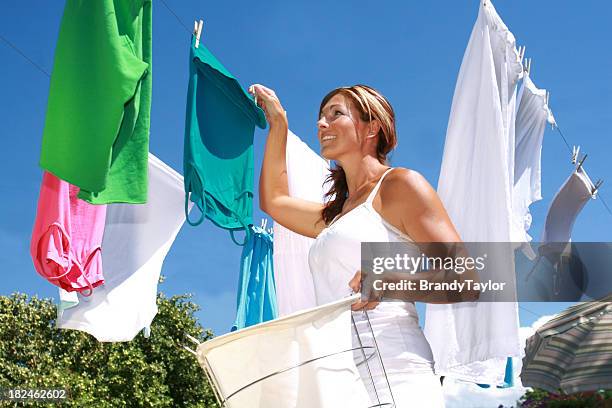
[179, 21]
[175, 16]
[14, 47]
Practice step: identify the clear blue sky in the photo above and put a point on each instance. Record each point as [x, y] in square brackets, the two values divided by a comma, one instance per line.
[410, 51]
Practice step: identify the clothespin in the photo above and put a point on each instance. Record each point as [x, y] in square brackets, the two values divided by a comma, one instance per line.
[581, 161]
[575, 152]
[252, 90]
[527, 65]
[547, 97]
[521, 53]
[264, 222]
[596, 187]
[197, 30]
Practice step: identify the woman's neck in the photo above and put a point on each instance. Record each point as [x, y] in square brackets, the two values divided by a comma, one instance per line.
[361, 173]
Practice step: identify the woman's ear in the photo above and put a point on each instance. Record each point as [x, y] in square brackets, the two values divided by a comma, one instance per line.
[373, 128]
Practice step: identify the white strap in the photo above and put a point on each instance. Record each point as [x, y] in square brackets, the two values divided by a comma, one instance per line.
[375, 190]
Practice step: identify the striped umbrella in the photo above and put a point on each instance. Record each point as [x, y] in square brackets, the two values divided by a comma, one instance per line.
[572, 351]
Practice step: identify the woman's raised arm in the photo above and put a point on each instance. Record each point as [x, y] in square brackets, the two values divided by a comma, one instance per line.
[301, 216]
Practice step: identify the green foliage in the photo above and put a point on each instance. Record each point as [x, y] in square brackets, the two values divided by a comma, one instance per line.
[146, 372]
[538, 398]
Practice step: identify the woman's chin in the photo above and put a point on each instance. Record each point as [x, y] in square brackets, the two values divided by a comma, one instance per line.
[326, 154]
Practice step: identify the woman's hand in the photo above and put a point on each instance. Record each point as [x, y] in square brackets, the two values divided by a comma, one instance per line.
[269, 102]
[355, 285]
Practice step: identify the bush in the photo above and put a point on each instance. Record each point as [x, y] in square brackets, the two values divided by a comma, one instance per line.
[146, 372]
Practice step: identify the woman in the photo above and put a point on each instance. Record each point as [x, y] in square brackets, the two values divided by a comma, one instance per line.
[369, 202]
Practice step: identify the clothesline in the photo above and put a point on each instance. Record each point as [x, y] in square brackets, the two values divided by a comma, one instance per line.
[175, 16]
[530, 311]
[178, 19]
[38, 67]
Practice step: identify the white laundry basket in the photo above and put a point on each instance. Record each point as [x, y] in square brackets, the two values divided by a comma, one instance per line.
[303, 360]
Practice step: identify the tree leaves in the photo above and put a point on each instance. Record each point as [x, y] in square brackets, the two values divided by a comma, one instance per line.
[146, 372]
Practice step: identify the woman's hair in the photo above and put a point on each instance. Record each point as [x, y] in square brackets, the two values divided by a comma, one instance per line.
[371, 105]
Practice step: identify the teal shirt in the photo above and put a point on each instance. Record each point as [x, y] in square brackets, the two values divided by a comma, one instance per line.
[256, 300]
[218, 157]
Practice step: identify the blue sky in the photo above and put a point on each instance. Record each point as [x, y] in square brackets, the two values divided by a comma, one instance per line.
[410, 51]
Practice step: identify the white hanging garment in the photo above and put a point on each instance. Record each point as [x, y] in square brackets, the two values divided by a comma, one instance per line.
[306, 173]
[570, 269]
[471, 341]
[303, 360]
[565, 207]
[137, 238]
[532, 116]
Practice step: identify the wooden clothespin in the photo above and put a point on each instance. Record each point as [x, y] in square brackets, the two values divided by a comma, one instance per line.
[252, 90]
[521, 53]
[527, 65]
[197, 31]
[575, 152]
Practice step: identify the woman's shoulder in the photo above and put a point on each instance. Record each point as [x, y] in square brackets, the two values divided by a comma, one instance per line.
[406, 179]
[407, 187]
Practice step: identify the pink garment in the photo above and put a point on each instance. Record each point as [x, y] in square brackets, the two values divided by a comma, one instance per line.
[67, 237]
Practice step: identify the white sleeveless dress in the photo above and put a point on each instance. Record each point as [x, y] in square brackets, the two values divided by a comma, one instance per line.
[334, 259]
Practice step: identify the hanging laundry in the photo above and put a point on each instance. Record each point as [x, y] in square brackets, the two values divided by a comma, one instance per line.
[96, 133]
[294, 286]
[218, 158]
[472, 341]
[136, 241]
[559, 273]
[565, 207]
[532, 116]
[256, 300]
[66, 238]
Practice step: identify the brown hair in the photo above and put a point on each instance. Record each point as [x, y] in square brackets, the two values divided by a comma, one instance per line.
[371, 105]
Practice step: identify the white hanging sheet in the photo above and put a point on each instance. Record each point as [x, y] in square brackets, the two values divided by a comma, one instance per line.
[471, 341]
[532, 116]
[306, 173]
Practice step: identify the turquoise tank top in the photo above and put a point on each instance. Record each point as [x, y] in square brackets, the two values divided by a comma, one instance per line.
[218, 157]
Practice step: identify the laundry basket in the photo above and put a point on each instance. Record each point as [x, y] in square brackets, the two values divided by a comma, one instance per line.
[303, 360]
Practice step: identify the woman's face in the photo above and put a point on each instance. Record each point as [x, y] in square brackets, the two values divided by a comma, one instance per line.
[340, 130]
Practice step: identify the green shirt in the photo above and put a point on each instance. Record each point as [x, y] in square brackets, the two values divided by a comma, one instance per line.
[218, 158]
[96, 133]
